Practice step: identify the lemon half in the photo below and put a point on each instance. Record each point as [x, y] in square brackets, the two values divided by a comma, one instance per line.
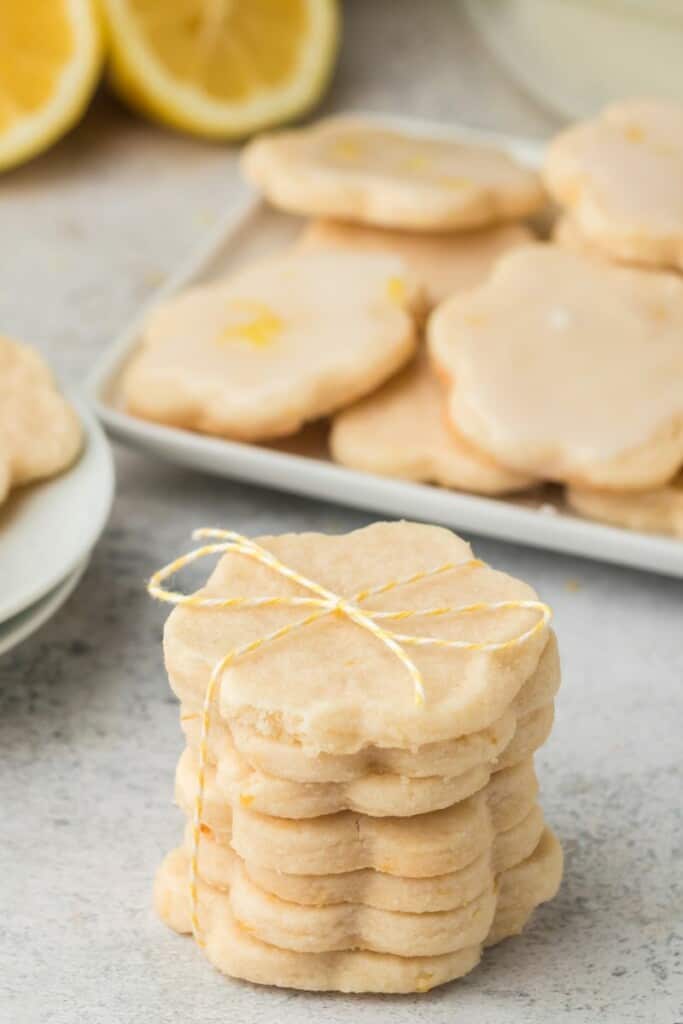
[50, 60]
[221, 68]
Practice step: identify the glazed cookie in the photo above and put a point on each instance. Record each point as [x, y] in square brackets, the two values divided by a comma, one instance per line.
[443, 264]
[657, 511]
[40, 434]
[401, 431]
[621, 177]
[568, 368]
[351, 690]
[352, 170]
[256, 355]
[568, 234]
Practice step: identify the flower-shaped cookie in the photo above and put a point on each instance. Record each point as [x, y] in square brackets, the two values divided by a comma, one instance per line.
[568, 368]
[333, 685]
[350, 169]
[442, 263]
[401, 430]
[621, 176]
[40, 434]
[350, 947]
[657, 511]
[257, 354]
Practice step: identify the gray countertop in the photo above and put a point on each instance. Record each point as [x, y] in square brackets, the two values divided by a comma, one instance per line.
[88, 728]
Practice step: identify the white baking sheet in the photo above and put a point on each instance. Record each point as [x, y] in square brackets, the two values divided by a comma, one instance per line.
[302, 466]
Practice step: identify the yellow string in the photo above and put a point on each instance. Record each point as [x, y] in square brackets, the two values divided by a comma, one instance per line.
[325, 602]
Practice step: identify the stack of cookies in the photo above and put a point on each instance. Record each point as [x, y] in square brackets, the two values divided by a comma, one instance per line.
[542, 362]
[361, 714]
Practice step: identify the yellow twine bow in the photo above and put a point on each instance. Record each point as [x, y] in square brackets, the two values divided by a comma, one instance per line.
[325, 602]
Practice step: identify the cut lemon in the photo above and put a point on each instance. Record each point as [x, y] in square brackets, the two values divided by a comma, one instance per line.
[50, 60]
[221, 68]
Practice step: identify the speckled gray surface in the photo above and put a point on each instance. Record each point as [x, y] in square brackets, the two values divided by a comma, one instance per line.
[88, 728]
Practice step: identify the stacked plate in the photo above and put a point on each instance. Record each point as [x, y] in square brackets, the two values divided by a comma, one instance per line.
[47, 533]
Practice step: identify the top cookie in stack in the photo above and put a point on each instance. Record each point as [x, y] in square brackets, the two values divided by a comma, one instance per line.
[344, 836]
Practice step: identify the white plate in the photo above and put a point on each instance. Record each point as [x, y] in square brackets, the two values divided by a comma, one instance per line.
[302, 466]
[48, 528]
[19, 627]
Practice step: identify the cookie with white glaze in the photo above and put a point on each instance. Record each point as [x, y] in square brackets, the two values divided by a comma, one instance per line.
[568, 368]
[443, 264]
[282, 342]
[620, 175]
[401, 430]
[656, 511]
[350, 169]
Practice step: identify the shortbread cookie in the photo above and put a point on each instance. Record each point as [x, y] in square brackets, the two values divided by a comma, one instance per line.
[374, 886]
[236, 951]
[374, 794]
[401, 430]
[40, 434]
[657, 511]
[533, 729]
[216, 867]
[620, 175]
[412, 894]
[533, 881]
[379, 794]
[287, 759]
[317, 929]
[426, 844]
[285, 341]
[443, 264]
[350, 169]
[568, 368]
[352, 691]
[307, 929]
[517, 728]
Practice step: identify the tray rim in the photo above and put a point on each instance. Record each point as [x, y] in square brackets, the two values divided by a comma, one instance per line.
[497, 518]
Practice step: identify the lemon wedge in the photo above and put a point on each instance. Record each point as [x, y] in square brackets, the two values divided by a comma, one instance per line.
[51, 55]
[221, 68]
